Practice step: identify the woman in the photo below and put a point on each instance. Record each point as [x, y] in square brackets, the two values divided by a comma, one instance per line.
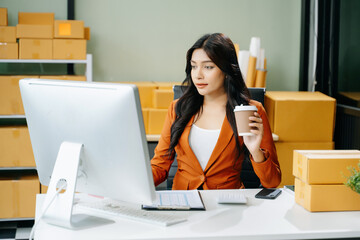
[200, 127]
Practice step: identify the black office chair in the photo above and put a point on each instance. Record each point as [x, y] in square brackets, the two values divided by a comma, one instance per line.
[248, 176]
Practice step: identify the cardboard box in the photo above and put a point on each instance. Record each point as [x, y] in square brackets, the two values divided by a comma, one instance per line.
[320, 198]
[145, 113]
[34, 31]
[9, 51]
[10, 98]
[15, 147]
[69, 49]
[156, 120]
[87, 33]
[8, 34]
[324, 167]
[69, 29]
[3, 17]
[35, 49]
[64, 77]
[18, 197]
[33, 18]
[285, 151]
[162, 98]
[301, 116]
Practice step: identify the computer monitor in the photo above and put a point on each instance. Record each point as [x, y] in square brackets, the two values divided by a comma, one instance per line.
[91, 136]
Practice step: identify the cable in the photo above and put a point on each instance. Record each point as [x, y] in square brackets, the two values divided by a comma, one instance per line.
[45, 210]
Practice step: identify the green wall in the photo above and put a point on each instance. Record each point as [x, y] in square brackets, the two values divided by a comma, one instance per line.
[146, 40]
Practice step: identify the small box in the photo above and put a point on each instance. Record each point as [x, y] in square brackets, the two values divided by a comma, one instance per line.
[301, 116]
[163, 98]
[9, 51]
[32, 31]
[69, 29]
[285, 151]
[10, 98]
[156, 120]
[8, 34]
[15, 147]
[320, 198]
[33, 18]
[87, 33]
[3, 17]
[35, 49]
[145, 113]
[324, 167]
[18, 197]
[69, 49]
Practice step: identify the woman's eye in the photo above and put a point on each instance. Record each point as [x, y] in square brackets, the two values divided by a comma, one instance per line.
[209, 67]
[193, 67]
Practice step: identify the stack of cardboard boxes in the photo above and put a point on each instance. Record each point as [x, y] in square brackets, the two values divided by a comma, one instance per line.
[303, 121]
[320, 177]
[42, 37]
[155, 98]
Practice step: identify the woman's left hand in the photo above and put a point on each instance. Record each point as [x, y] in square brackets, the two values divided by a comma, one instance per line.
[253, 142]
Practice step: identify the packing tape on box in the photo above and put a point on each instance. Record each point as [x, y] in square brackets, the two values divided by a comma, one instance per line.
[35, 56]
[65, 29]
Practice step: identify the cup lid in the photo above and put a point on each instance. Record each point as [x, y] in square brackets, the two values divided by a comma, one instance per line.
[245, 108]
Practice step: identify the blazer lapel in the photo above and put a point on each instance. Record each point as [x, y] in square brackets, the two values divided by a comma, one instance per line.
[225, 136]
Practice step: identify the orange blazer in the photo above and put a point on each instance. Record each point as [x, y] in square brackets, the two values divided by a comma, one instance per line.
[220, 172]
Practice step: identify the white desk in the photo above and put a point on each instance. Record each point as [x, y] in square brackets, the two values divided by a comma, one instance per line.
[259, 219]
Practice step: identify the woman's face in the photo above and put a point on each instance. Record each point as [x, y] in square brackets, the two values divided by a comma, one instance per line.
[206, 76]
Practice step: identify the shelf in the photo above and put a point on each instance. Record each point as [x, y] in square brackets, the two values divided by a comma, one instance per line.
[87, 61]
[17, 168]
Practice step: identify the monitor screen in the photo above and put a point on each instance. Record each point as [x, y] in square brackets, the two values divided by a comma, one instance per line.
[106, 118]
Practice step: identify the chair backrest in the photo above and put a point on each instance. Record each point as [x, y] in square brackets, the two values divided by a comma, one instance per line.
[248, 176]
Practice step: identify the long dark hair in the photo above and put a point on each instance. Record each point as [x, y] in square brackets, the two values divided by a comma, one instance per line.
[220, 49]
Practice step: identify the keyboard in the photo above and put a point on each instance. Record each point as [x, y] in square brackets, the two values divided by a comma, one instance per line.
[231, 197]
[115, 208]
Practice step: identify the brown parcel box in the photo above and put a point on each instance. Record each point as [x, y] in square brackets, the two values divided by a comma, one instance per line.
[145, 113]
[10, 98]
[69, 49]
[69, 29]
[9, 51]
[35, 49]
[301, 116]
[163, 98]
[87, 33]
[15, 147]
[18, 197]
[324, 167]
[3, 17]
[320, 198]
[285, 151]
[34, 31]
[35, 25]
[8, 34]
[156, 120]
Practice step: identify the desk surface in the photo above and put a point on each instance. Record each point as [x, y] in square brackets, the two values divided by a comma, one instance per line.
[281, 218]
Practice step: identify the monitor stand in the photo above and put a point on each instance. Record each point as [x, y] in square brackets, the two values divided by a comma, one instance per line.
[60, 207]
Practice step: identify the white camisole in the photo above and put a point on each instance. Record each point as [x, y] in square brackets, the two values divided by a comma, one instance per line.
[202, 142]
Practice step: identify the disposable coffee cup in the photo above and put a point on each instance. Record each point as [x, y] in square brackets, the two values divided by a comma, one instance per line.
[242, 114]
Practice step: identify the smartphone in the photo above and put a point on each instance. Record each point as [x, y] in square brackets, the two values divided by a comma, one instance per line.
[268, 193]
